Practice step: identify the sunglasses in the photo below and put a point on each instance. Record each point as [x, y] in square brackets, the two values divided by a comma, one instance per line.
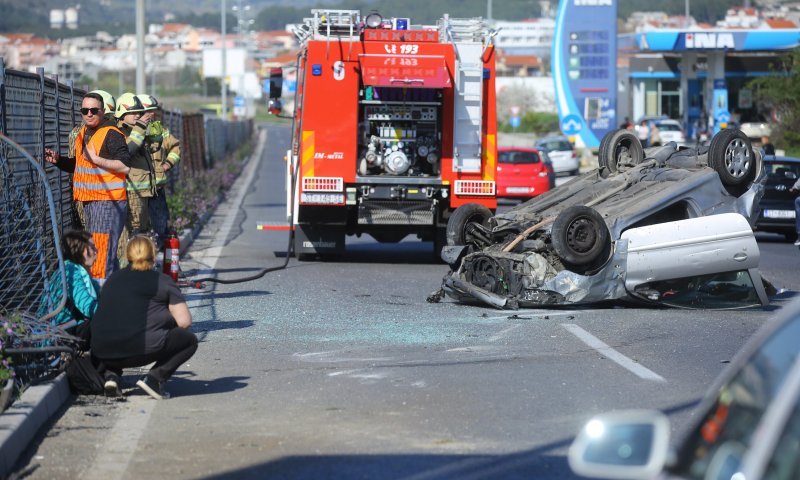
[94, 110]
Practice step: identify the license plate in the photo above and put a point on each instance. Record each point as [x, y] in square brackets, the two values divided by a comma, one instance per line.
[778, 213]
[517, 190]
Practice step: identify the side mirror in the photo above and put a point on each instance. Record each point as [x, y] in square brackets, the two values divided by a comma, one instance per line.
[622, 445]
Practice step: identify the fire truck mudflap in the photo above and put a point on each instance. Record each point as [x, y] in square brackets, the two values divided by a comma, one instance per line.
[394, 128]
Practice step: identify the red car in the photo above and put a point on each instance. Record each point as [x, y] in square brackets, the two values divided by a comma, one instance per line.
[523, 173]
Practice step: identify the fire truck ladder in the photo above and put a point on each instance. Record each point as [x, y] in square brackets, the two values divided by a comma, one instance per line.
[339, 23]
[467, 37]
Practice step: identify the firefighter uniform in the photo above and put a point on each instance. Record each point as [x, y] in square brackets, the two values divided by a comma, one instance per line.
[165, 150]
[141, 178]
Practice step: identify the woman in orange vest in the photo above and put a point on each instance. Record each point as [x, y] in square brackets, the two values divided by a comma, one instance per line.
[100, 165]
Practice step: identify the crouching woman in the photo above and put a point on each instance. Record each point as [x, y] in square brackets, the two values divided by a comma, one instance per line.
[141, 318]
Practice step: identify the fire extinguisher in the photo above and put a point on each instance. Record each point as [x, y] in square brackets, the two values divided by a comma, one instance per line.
[172, 254]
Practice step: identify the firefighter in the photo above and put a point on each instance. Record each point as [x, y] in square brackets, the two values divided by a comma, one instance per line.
[166, 153]
[132, 120]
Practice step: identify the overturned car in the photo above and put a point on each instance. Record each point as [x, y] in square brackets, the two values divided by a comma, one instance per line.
[663, 225]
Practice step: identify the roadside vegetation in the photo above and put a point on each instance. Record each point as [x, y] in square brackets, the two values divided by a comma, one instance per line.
[782, 93]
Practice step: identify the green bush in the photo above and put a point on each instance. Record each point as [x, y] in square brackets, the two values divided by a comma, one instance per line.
[533, 122]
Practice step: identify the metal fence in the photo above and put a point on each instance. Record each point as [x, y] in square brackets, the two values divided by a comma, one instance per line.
[38, 112]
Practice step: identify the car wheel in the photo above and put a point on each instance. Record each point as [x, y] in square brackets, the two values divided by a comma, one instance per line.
[731, 155]
[620, 147]
[581, 239]
[459, 222]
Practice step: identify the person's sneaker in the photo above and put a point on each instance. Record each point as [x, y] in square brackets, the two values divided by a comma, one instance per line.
[152, 387]
[797, 242]
[111, 385]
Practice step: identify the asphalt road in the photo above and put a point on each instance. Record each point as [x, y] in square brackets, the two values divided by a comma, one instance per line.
[342, 370]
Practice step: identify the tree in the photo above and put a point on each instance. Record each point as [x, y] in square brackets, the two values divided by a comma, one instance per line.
[782, 92]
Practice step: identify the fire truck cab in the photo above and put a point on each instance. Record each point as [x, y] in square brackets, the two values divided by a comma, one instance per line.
[394, 130]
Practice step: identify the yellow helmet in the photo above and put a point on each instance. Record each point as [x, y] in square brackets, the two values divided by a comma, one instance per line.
[128, 103]
[109, 104]
[148, 101]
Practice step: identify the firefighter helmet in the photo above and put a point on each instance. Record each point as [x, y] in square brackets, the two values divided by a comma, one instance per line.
[128, 103]
[109, 104]
[149, 102]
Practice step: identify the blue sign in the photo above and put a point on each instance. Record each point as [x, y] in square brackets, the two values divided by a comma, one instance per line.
[584, 65]
[238, 102]
[514, 121]
[571, 125]
[720, 108]
[696, 40]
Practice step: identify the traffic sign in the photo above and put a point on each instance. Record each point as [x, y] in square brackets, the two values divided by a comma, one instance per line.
[723, 116]
[514, 121]
[571, 125]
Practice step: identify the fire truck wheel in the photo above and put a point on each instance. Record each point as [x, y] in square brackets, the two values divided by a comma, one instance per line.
[619, 147]
[460, 220]
[731, 155]
[581, 239]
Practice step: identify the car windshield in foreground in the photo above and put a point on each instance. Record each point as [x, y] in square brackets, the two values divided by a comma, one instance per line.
[518, 157]
[727, 429]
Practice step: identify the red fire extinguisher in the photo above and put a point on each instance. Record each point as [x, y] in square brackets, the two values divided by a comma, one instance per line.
[172, 254]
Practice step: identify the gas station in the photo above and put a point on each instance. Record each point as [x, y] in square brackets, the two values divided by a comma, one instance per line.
[696, 76]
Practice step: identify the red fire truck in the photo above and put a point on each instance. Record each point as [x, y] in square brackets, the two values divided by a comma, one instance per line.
[394, 130]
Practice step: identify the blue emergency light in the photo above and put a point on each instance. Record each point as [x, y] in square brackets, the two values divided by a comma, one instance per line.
[316, 69]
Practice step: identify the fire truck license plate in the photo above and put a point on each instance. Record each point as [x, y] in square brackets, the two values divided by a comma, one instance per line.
[517, 189]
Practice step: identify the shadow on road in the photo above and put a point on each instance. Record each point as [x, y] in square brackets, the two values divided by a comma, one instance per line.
[219, 296]
[179, 385]
[215, 325]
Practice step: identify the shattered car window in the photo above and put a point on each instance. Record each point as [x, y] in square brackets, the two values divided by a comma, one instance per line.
[714, 291]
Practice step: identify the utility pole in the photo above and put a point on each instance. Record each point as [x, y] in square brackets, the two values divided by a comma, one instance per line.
[224, 66]
[140, 46]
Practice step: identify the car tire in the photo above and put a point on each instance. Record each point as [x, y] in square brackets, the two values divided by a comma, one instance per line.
[620, 147]
[581, 239]
[461, 218]
[731, 155]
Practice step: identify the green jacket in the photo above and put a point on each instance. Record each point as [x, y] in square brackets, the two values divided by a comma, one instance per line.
[164, 148]
[141, 177]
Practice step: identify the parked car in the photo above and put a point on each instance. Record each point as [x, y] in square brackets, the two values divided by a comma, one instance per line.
[670, 131]
[561, 153]
[523, 173]
[756, 130]
[776, 213]
[747, 426]
[660, 225]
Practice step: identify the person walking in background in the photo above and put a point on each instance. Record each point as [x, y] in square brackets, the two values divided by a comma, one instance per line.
[769, 148]
[627, 124]
[80, 254]
[166, 153]
[142, 318]
[100, 165]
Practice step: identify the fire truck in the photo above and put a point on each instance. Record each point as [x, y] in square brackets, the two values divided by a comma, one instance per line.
[394, 130]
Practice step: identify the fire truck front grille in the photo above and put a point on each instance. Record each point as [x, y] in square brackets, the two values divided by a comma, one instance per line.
[387, 212]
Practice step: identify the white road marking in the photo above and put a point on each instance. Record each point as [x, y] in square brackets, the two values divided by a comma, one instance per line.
[501, 334]
[115, 453]
[612, 354]
[209, 256]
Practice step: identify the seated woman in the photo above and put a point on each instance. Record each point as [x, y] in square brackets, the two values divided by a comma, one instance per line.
[82, 290]
[142, 318]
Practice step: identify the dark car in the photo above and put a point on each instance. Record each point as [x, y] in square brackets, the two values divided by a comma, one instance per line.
[746, 428]
[777, 213]
[523, 173]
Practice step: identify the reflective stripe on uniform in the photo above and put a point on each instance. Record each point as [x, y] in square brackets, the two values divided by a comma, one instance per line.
[174, 157]
[138, 185]
[90, 170]
[99, 186]
[137, 137]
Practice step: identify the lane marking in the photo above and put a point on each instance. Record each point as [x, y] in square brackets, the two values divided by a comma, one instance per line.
[608, 352]
[114, 455]
[499, 335]
[212, 254]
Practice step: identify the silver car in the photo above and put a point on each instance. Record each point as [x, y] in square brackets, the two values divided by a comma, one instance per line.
[746, 428]
[667, 225]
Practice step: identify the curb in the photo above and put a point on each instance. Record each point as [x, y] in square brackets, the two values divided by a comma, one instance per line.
[20, 423]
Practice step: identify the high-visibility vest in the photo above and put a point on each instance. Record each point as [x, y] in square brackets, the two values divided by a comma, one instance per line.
[90, 182]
